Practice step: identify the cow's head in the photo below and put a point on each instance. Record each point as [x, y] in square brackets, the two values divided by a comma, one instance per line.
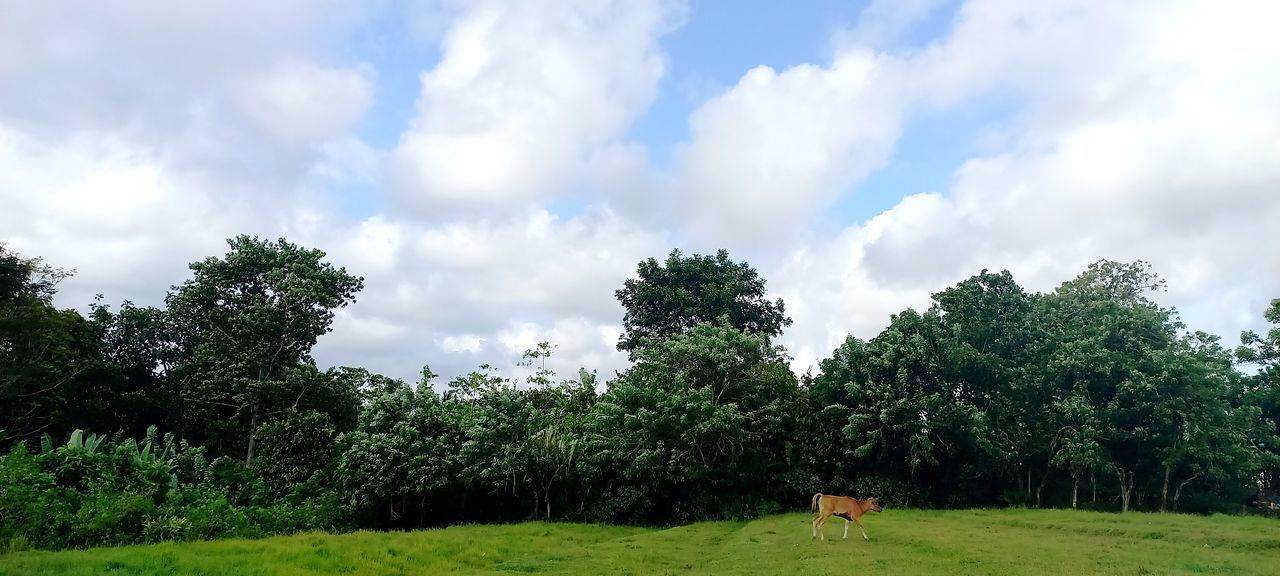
[875, 504]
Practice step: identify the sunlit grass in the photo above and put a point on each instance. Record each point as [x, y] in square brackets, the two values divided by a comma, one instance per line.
[902, 542]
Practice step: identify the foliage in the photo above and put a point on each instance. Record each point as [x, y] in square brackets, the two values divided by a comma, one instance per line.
[683, 292]
[50, 365]
[244, 327]
[694, 430]
[91, 491]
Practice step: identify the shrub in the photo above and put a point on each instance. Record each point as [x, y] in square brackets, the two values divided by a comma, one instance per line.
[161, 528]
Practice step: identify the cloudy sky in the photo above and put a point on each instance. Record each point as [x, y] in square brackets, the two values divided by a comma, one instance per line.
[495, 170]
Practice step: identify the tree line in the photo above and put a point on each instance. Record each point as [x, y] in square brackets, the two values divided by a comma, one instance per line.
[208, 417]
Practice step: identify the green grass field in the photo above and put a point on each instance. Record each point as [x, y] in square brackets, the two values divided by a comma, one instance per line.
[902, 542]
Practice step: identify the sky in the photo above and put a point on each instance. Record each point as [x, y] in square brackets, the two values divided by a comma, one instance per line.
[496, 170]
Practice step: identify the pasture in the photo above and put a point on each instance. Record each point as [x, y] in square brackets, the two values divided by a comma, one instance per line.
[903, 542]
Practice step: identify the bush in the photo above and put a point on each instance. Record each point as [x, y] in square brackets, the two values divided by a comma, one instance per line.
[888, 492]
[90, 493]
[17, 543]
[33, 510]
[212, 516]
[110, 518]
[162, 528]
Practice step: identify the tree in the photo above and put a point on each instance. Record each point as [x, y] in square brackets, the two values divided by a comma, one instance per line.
[402, 464]
[1262, 390]
[984, 343]
[673, 297]
[1102, 344]
[50, 361]
[23, 278]
[295, 448]
[1201, 432]
[241, 323]
[909, 418]
[137, 345]
[697, 428]
[523, 441]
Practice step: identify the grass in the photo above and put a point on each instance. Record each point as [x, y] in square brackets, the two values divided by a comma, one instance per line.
[903, 542]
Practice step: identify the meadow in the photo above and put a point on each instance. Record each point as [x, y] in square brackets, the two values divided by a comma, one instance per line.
[903, 542]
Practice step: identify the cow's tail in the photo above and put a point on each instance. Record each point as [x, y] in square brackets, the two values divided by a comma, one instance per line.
[813, 506]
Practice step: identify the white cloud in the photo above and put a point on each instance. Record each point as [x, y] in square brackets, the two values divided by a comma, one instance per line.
[767, 155]
[103, 207]
[883, 21]
[578, 343]
[485, 290]
[469, 343]
[140, 66]
[305, 103]
[1151, 142]
[525, 93]
[135, 137]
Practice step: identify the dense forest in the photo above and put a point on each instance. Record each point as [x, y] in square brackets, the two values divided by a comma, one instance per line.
[208, 417]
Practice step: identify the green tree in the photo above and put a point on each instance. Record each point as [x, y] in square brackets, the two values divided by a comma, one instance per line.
[1201, 429]
[52, 372]
[402, 464]
[1103, 342]
[522, 439]
[241, 324]
[1262, 390]
[137, 345]
[295, 448]
[673, 297]
[984, 346]
[697, 428]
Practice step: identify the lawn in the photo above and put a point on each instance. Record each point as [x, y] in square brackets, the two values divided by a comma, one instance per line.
[903, 542]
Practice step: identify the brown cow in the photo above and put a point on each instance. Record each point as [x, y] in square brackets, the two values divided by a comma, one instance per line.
[824, 507]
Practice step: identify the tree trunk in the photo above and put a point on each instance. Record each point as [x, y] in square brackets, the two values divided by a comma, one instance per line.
[1164, 490]
[1178, 492]
[1126, 488]
[1093, 479]
[253, 430]
[1075, 487]
[1040, 488]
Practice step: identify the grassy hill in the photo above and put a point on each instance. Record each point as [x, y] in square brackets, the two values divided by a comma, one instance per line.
[903, 542]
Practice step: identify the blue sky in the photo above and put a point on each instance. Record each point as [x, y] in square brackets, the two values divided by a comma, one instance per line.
[495, 170]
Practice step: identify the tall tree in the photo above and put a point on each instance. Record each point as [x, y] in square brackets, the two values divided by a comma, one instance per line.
[1102, 344]
[696, 429]
[242, 323]
[1262, 390]
[49, 358]
[984, 344]
[137, 344]
[673, 297]
[1200, 428]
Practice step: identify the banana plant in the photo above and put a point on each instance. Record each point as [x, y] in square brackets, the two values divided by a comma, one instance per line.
[78, 440]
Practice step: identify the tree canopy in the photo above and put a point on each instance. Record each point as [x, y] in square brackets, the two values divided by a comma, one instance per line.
[673, 297]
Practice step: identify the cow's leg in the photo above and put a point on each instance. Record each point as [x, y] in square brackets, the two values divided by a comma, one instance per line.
[814, 525]
[822, 523]
[846, 529]
[860, 527]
